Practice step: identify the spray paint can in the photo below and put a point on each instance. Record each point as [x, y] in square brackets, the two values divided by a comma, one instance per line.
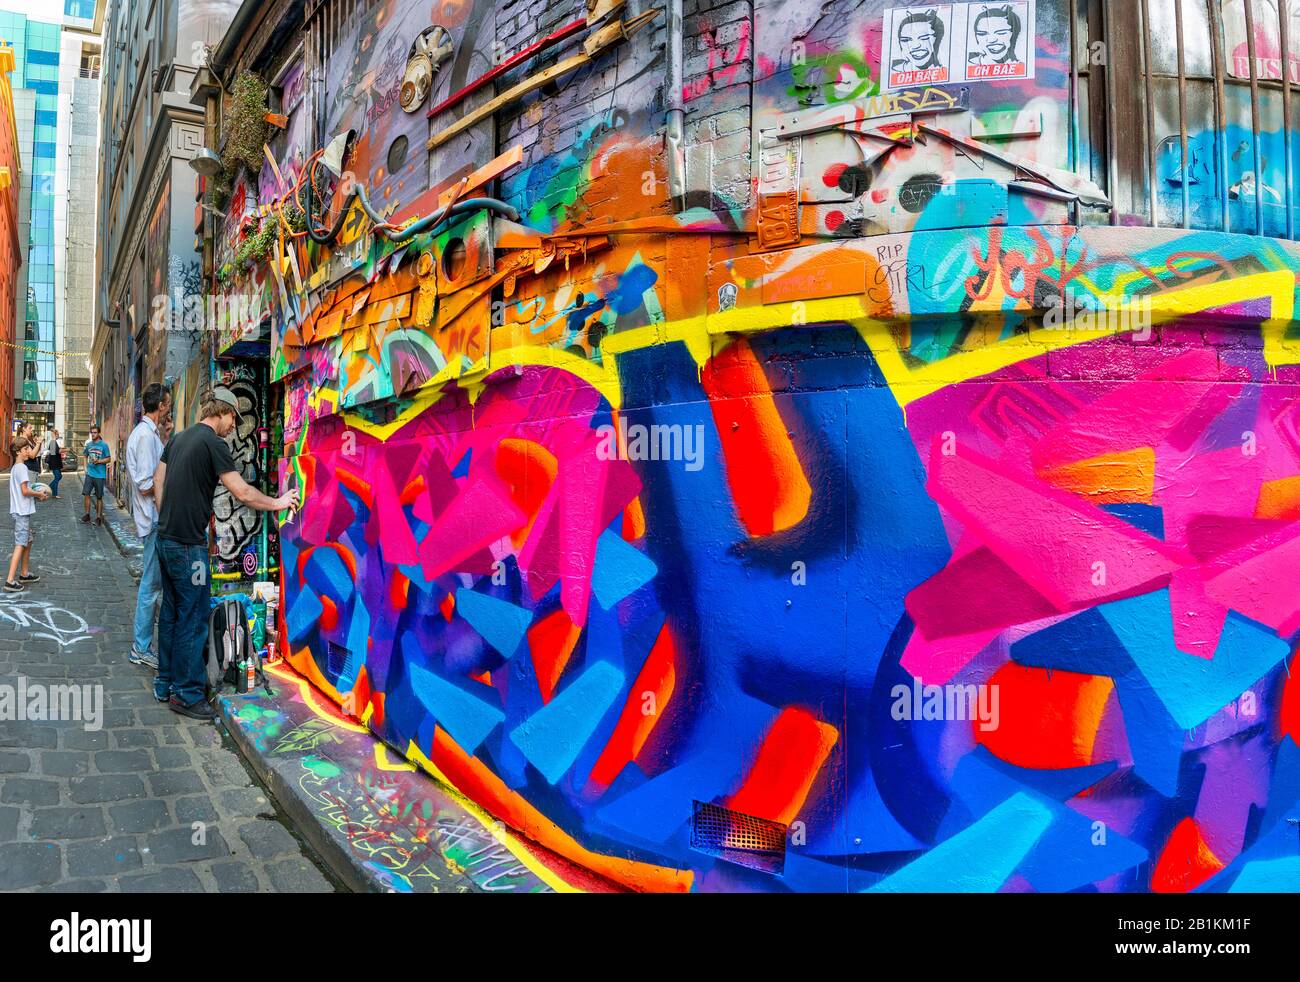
[252, 675]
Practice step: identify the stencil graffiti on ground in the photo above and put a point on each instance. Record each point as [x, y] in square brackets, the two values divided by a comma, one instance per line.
[43, 620]
[405, 837]
[480, 854]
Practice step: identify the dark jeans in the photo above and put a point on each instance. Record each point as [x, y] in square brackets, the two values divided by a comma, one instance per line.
[183, 622]
[58, 476]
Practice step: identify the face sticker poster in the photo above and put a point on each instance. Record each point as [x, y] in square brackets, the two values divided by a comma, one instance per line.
[999, 40]
[920, 46]
[944, 44]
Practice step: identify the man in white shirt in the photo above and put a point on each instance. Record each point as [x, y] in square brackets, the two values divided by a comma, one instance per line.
[143, 451]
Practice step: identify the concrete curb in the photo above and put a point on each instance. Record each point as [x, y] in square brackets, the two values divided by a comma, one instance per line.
[377, 823]
[121, 529]
[327, 847]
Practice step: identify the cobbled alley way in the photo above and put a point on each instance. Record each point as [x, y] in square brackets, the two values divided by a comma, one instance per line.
[148, 802]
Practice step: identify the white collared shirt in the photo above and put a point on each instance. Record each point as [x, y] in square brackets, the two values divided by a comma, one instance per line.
[143, 451]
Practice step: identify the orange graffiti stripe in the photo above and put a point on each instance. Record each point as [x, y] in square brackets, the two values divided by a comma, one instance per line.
[788, 762]
[767, 482]
[473, 778]
[1279, 499]
[1110, 479]
[657, 678]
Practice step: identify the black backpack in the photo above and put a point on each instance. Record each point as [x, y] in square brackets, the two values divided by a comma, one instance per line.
[230, 644]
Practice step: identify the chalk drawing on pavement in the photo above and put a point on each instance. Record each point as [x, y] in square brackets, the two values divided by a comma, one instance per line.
[45, 620]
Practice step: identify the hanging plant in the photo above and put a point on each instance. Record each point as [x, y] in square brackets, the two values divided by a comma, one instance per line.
[244, 128]
[296, 219]
[219, 188]
[257, 246]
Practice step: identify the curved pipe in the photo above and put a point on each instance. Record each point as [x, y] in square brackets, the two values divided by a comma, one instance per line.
[428, 224]
[421, 227]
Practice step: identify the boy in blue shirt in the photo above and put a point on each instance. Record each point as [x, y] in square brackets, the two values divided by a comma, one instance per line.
[97, 457]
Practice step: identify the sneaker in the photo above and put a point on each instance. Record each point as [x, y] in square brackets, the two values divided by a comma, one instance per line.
[84, 519]
[12, 587]
[149, 661]
[29, 578]
[198, 709]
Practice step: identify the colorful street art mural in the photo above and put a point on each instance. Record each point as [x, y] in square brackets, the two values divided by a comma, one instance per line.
[245, 542]
[831, 499]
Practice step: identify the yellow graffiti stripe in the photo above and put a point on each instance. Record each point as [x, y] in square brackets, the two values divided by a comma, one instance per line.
[384, 764]
[308, 695]
[385, 430]
[495, 828]
[705, 334]
[910, 383]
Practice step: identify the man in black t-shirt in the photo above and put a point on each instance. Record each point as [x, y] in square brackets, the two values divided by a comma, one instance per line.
[193, 463]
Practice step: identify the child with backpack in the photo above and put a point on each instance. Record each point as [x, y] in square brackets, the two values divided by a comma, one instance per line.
[22, 505]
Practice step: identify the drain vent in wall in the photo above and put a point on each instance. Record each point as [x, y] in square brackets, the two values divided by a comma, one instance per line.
[336, 659]
[738, 838]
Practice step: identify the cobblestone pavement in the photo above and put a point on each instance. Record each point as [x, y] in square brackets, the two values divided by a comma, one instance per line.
[116, 808]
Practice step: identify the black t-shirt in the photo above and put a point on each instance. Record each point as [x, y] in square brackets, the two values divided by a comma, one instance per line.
[195, 458]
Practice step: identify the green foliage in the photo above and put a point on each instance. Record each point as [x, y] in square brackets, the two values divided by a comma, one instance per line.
[219, 188]
[257, 246]
[244, 126]
[296, 219]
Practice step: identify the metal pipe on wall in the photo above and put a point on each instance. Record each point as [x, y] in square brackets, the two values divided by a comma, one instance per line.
[675, 134]
[1284, 36]
[1147, 70]
[1182, 114]
[1112, 175]
[1215, 11]
[1075, 207]
[1258, 146]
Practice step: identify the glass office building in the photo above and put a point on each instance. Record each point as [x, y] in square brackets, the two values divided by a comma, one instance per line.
[36, 56]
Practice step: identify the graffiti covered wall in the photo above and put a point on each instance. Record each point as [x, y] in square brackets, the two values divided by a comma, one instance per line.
[819, 494]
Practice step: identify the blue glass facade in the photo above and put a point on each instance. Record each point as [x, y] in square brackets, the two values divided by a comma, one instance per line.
[36, 56]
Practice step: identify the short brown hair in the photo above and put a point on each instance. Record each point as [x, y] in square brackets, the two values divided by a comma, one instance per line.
[210, 407]
[19, 444]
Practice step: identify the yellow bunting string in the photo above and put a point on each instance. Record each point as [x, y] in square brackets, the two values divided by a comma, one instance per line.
[43, 351]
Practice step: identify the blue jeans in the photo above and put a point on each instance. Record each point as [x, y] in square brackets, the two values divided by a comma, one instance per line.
[150, 588]
[183, 622]
[54, 485]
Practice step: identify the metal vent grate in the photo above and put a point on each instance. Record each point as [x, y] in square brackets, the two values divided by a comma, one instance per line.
[337, 659]
[738, 838]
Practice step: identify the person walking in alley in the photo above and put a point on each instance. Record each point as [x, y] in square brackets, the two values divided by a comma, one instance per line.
[98, 456]
[22, 505]
[52, 456]
[143, 452]
[193, 463]
[47, 441]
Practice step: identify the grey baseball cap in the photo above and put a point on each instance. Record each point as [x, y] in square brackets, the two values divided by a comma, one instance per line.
[224, 395]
